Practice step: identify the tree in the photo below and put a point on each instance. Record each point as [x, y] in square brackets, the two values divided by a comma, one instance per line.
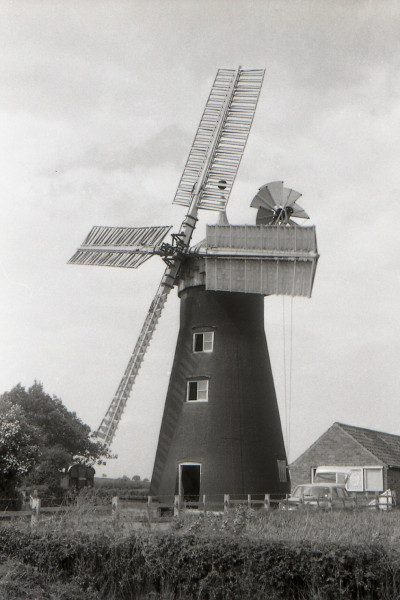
[19, 449]
[58, 436]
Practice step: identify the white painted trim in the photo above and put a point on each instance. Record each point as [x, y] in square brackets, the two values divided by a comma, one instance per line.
[187, 464]
[187, 391]
[194, 342]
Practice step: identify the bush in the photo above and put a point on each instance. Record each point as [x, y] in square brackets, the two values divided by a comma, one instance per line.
[205, 567]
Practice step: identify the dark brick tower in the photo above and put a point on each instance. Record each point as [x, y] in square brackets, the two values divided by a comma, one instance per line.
[221, 430]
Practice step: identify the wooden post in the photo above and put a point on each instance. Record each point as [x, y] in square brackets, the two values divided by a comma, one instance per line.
[115, 510]
[226, 502]
[267, 501]
[248, 500]
[35, 504]
[149, 508]
[177, 506]
[204, 503]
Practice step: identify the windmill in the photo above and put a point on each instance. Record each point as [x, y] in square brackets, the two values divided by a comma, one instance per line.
[221, 430]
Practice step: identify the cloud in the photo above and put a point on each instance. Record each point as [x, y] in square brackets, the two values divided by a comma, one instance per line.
[99, 107]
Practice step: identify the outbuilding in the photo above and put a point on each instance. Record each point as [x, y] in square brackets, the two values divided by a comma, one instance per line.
[371, 457]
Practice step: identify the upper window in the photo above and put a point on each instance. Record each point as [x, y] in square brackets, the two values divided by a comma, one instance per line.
[203, 342]
[197, 390]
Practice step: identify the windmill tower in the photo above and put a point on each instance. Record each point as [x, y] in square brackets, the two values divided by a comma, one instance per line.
[221, 430]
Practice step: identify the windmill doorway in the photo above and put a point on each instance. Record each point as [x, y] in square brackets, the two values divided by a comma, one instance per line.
[189, 481]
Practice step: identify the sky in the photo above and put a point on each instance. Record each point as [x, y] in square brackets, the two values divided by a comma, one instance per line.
[99, 104]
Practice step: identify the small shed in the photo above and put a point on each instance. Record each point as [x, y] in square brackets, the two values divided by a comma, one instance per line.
[79, 476]
[372, 456]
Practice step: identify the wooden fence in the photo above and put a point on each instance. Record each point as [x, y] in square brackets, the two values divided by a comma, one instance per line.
[152, 509]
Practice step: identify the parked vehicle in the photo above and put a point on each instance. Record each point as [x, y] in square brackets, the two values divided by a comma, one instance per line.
[325, 496]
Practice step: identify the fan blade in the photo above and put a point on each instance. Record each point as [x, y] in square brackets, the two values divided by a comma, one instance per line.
[109, 424]
[220, 140]
[275, 189]
[263, 199]
[299, 212]
[265, 216]
[289, 197]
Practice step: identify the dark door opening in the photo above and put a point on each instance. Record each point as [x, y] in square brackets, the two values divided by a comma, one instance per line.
[190, 483]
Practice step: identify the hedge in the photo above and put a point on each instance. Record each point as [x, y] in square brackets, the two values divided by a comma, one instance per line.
[220, 567]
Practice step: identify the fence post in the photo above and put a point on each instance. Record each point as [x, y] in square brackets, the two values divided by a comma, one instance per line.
[35, 505]
[149, 507]
[226, 502]
[115, 510]
[267, 501]
[177, 505]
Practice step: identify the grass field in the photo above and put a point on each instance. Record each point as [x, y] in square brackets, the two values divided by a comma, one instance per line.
[353, 541]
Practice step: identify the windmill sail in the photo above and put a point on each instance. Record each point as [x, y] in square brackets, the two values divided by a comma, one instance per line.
[223, 133]
[119, 246]
[109, 424]
[206, 183]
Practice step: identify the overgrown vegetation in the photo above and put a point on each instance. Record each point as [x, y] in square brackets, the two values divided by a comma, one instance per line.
[240, 554]
[123, 487]
[39, 439]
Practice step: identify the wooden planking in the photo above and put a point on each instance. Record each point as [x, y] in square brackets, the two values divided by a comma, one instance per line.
[262, 237]
[109, 258]
[290, 277]
[126, 236]
[261, 259]
[220, 139]
[127, 247]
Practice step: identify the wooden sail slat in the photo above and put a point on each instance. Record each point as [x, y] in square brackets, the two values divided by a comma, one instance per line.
[118, 236]
[232, 137]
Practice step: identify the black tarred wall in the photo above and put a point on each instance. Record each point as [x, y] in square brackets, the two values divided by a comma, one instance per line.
[236, 435]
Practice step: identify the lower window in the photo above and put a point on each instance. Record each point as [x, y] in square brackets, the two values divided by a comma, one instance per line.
[197, 390]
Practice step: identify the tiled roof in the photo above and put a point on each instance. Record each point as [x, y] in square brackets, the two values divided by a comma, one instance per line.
[385, 446]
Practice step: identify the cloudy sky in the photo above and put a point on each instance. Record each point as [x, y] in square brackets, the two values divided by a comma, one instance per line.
[99, 103]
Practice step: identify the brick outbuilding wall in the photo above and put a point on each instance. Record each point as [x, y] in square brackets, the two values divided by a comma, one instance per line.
[334, 447]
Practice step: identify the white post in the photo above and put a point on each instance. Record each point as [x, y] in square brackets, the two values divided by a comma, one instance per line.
[115, 510]
[177, 506]
[267, 501]
[35, 504]
[226, 502]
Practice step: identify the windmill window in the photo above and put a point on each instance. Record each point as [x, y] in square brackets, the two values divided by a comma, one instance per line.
[197, 390]
[203, 342]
